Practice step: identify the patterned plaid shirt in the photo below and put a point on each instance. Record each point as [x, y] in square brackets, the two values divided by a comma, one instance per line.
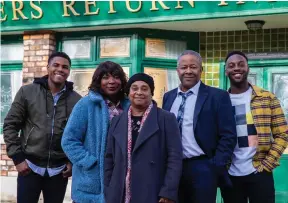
[272, 129]
[114, 110]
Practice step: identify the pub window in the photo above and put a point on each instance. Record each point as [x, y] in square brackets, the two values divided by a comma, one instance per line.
[12, 52]
[165, 80]
[163, 48]
[114, 47]
[11, 81]
[77, 49]
[83, 77]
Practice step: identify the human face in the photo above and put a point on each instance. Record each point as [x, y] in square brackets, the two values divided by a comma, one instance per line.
[110, 85]
[189, 71]
[140, 94]
[58, 70]
[236, 69]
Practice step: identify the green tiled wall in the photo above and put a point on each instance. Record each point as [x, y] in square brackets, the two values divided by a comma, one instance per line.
[214, 47]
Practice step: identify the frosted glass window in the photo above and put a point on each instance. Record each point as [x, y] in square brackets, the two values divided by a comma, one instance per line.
[160, 48]
[11, 82]
[77, 49]
[164, 79]
[12, 52]
[114, 47]
[81, 79]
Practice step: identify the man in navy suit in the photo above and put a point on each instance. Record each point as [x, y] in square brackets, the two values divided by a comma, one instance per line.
[208, 130]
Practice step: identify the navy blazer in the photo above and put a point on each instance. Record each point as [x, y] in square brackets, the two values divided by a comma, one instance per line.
[214, 123]
[156, 159]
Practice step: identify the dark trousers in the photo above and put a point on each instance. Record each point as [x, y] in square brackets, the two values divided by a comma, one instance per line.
[257, 188]
[30, 186]
[199, 182]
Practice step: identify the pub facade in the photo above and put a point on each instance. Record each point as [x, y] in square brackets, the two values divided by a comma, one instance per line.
[142, 36]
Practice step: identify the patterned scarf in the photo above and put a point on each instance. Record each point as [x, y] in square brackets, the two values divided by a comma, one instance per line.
[114, 110]
[129, 151]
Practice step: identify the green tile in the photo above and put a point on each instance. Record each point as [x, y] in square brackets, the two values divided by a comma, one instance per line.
[209, 75]
[217, 47]
[217, 39]
[203, 53]
[259, 45]
[245, 45]
[274, 49]
[268, 31]
[209, 82]
[216, 83]
[282, 49]
[252, 38]
[210, 34]
[245, 50]
[274, 37]
[267, 38]
[215, 75]
[209, 60]
[245, 32]
[267, 45]
[238, 38]
[210, 40]
[217, 53]
[251, 45]
[259, 38]
[239, 32]
[231, 33]
[210, 54]
[224, 54]
[281, 36]
[202, 34]
[224, 39]
[210, 69]
[216, 68]
[223, 33]
[259, 49]
[281, 43]
[245, 38]
[209, 47]
[274, 31]
[216, 34]
[224, 47]
[231, 46]
[274, 44]
[231, 38]
[238, 46]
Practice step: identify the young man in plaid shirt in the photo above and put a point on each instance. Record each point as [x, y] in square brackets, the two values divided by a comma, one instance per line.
[262, 136]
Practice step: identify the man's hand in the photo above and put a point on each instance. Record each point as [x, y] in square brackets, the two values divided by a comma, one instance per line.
[163, 199]
[67, 171]
[23, 168]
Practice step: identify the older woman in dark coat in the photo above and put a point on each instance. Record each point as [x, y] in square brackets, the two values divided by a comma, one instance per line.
[143, 161]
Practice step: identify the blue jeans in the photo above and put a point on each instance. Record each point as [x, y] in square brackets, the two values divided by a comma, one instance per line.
[30, 186]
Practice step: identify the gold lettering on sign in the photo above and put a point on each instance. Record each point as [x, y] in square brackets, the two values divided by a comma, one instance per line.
[2, 12]
[70, 6]
[37, 8]
[111, 6]
[223, 3]
[154, 8]
[240, 2]
[128, 6]
[179, 4]
[87, 8]
[18, 10]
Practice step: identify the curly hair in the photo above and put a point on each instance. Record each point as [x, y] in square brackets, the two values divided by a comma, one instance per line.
[108, 67]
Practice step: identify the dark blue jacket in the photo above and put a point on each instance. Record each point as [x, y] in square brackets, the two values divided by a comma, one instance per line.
[156, 159]
[214, 123]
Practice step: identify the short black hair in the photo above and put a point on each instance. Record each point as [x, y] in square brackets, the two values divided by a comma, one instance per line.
[236, 53]
[104, 68]
[59, 54]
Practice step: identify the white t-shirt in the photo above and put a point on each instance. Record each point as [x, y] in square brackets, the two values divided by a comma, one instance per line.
[247, 139]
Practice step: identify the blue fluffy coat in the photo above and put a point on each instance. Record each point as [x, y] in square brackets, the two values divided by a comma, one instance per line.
[84, 142]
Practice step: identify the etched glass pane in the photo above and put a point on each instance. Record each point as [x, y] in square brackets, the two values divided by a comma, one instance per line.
[115, 47]
[10, 83]
[160, 48]
[82, 79]
[77, 49]
[280, 89]
[12, 52]
[164, 79]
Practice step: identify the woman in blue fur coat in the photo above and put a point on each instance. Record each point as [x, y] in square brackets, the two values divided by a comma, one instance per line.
[84, 138]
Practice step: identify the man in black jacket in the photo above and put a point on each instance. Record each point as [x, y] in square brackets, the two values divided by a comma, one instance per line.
[33, 130]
